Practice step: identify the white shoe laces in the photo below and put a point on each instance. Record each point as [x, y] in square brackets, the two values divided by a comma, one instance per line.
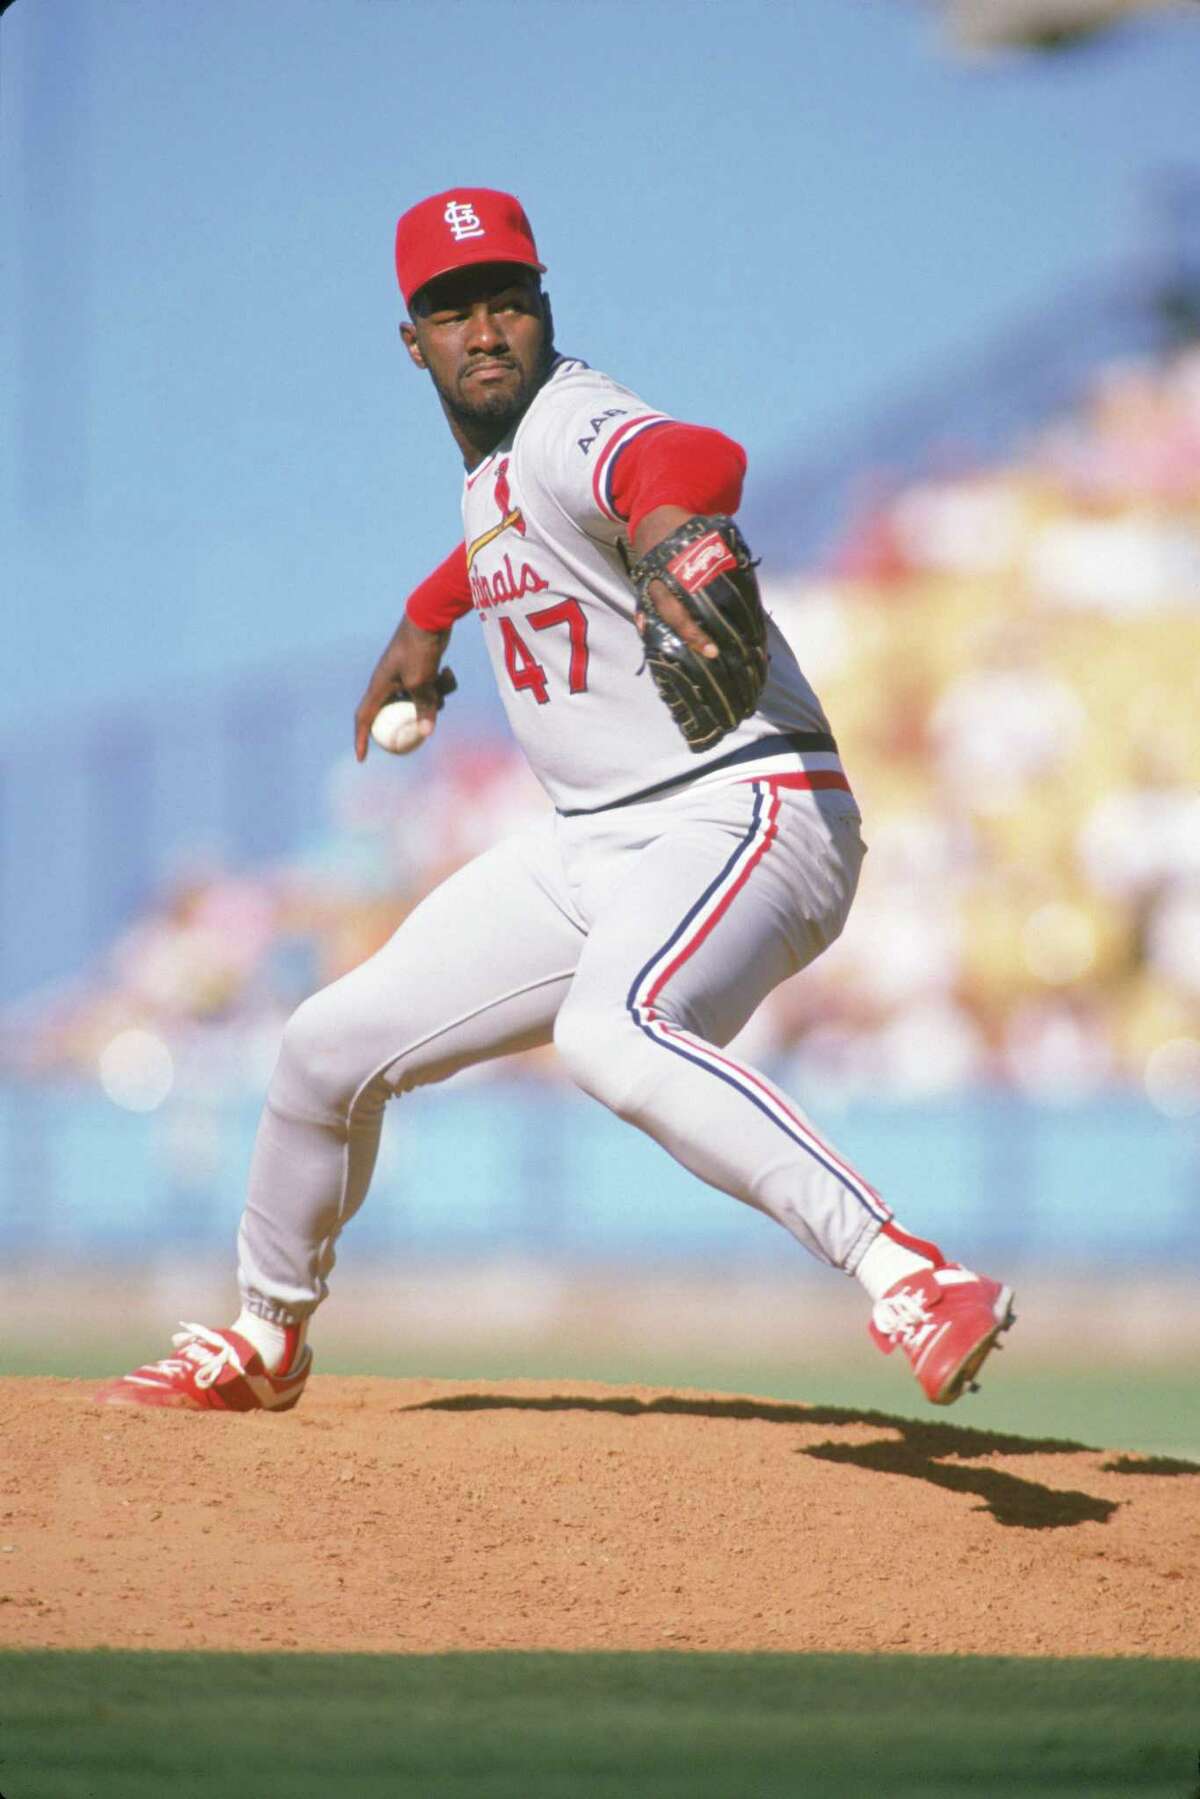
[901, 1315]
[203, 1354]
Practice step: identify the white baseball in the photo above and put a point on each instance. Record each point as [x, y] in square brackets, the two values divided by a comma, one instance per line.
[396, 729]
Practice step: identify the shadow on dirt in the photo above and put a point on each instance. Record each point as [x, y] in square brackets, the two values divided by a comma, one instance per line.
[918, 1449]
[1150, 1464]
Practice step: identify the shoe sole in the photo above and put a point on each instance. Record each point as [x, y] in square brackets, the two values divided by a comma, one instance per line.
[156, 1394]
[180, 1402]
[962, 1378]
[171, 1399]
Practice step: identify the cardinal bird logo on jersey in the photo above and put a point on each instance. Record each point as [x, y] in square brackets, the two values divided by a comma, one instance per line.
[510, 514]
[511, 518]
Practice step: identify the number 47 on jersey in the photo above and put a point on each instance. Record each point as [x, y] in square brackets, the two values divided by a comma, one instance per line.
[524, 669]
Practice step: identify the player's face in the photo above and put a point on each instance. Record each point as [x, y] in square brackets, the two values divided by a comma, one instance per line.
[483, 334]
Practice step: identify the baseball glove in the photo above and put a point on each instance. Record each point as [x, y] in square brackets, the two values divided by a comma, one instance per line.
[706, 564]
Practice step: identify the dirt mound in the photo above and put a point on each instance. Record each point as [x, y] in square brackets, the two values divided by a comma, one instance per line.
[433, 1515]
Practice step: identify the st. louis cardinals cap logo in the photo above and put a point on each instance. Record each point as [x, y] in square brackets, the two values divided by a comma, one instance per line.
[463, 220]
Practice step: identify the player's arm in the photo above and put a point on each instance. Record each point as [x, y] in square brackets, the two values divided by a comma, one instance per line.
[661, 479]
[412, 658]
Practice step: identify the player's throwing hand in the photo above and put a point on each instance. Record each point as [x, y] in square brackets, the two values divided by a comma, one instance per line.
[409, 667]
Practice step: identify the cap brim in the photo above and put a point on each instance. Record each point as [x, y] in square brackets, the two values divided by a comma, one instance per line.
[456, 268]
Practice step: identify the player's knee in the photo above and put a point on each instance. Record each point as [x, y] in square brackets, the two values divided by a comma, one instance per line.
[599, 1049]
[314, 1068]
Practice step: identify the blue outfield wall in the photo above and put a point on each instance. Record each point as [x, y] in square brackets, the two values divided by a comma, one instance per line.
[485, 1167]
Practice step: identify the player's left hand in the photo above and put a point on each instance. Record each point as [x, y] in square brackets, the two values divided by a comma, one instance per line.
[654, 527]
[701, 620]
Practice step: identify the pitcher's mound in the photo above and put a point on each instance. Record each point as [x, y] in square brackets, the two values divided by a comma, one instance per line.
[432, 1515]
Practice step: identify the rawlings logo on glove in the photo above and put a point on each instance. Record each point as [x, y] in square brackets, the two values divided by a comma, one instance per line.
[706, 564]
[693, 568]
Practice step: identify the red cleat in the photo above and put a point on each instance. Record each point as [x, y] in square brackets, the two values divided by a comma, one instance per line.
[947, 1321]
[211, 1371]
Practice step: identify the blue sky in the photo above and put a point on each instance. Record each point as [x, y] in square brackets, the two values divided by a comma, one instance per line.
[768, 217]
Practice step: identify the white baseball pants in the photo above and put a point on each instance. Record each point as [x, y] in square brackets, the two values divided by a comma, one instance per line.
[639, 939]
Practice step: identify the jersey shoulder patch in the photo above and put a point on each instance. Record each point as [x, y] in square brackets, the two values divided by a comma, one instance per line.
[569, 437]
[596, 424]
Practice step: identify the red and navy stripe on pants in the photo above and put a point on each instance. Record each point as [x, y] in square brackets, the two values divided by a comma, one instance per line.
[688, 937]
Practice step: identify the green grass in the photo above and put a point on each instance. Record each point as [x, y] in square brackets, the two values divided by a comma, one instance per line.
[107, 1725]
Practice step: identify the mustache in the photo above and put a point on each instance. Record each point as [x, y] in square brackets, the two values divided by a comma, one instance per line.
[486, 362]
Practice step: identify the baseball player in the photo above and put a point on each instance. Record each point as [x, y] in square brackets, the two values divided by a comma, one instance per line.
[703, 843]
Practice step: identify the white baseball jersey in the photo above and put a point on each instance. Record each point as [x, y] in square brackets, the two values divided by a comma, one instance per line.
[557, 608]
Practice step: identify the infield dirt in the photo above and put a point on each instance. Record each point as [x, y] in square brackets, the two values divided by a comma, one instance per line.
[419, 1516]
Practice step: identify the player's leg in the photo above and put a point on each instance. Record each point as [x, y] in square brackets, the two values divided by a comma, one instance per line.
[714, 912]
[476, 971]
[745, 885]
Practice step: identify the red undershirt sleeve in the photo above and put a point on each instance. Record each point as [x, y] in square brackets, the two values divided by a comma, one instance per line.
[677, 465]
[443, 596]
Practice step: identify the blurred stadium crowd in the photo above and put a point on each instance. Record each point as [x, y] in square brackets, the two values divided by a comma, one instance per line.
[1010, 656]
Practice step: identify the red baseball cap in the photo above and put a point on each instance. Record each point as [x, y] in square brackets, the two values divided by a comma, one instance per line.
[456, 229]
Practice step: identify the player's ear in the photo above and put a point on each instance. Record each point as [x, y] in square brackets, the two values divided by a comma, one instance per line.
[409, 333]
[548, 321]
